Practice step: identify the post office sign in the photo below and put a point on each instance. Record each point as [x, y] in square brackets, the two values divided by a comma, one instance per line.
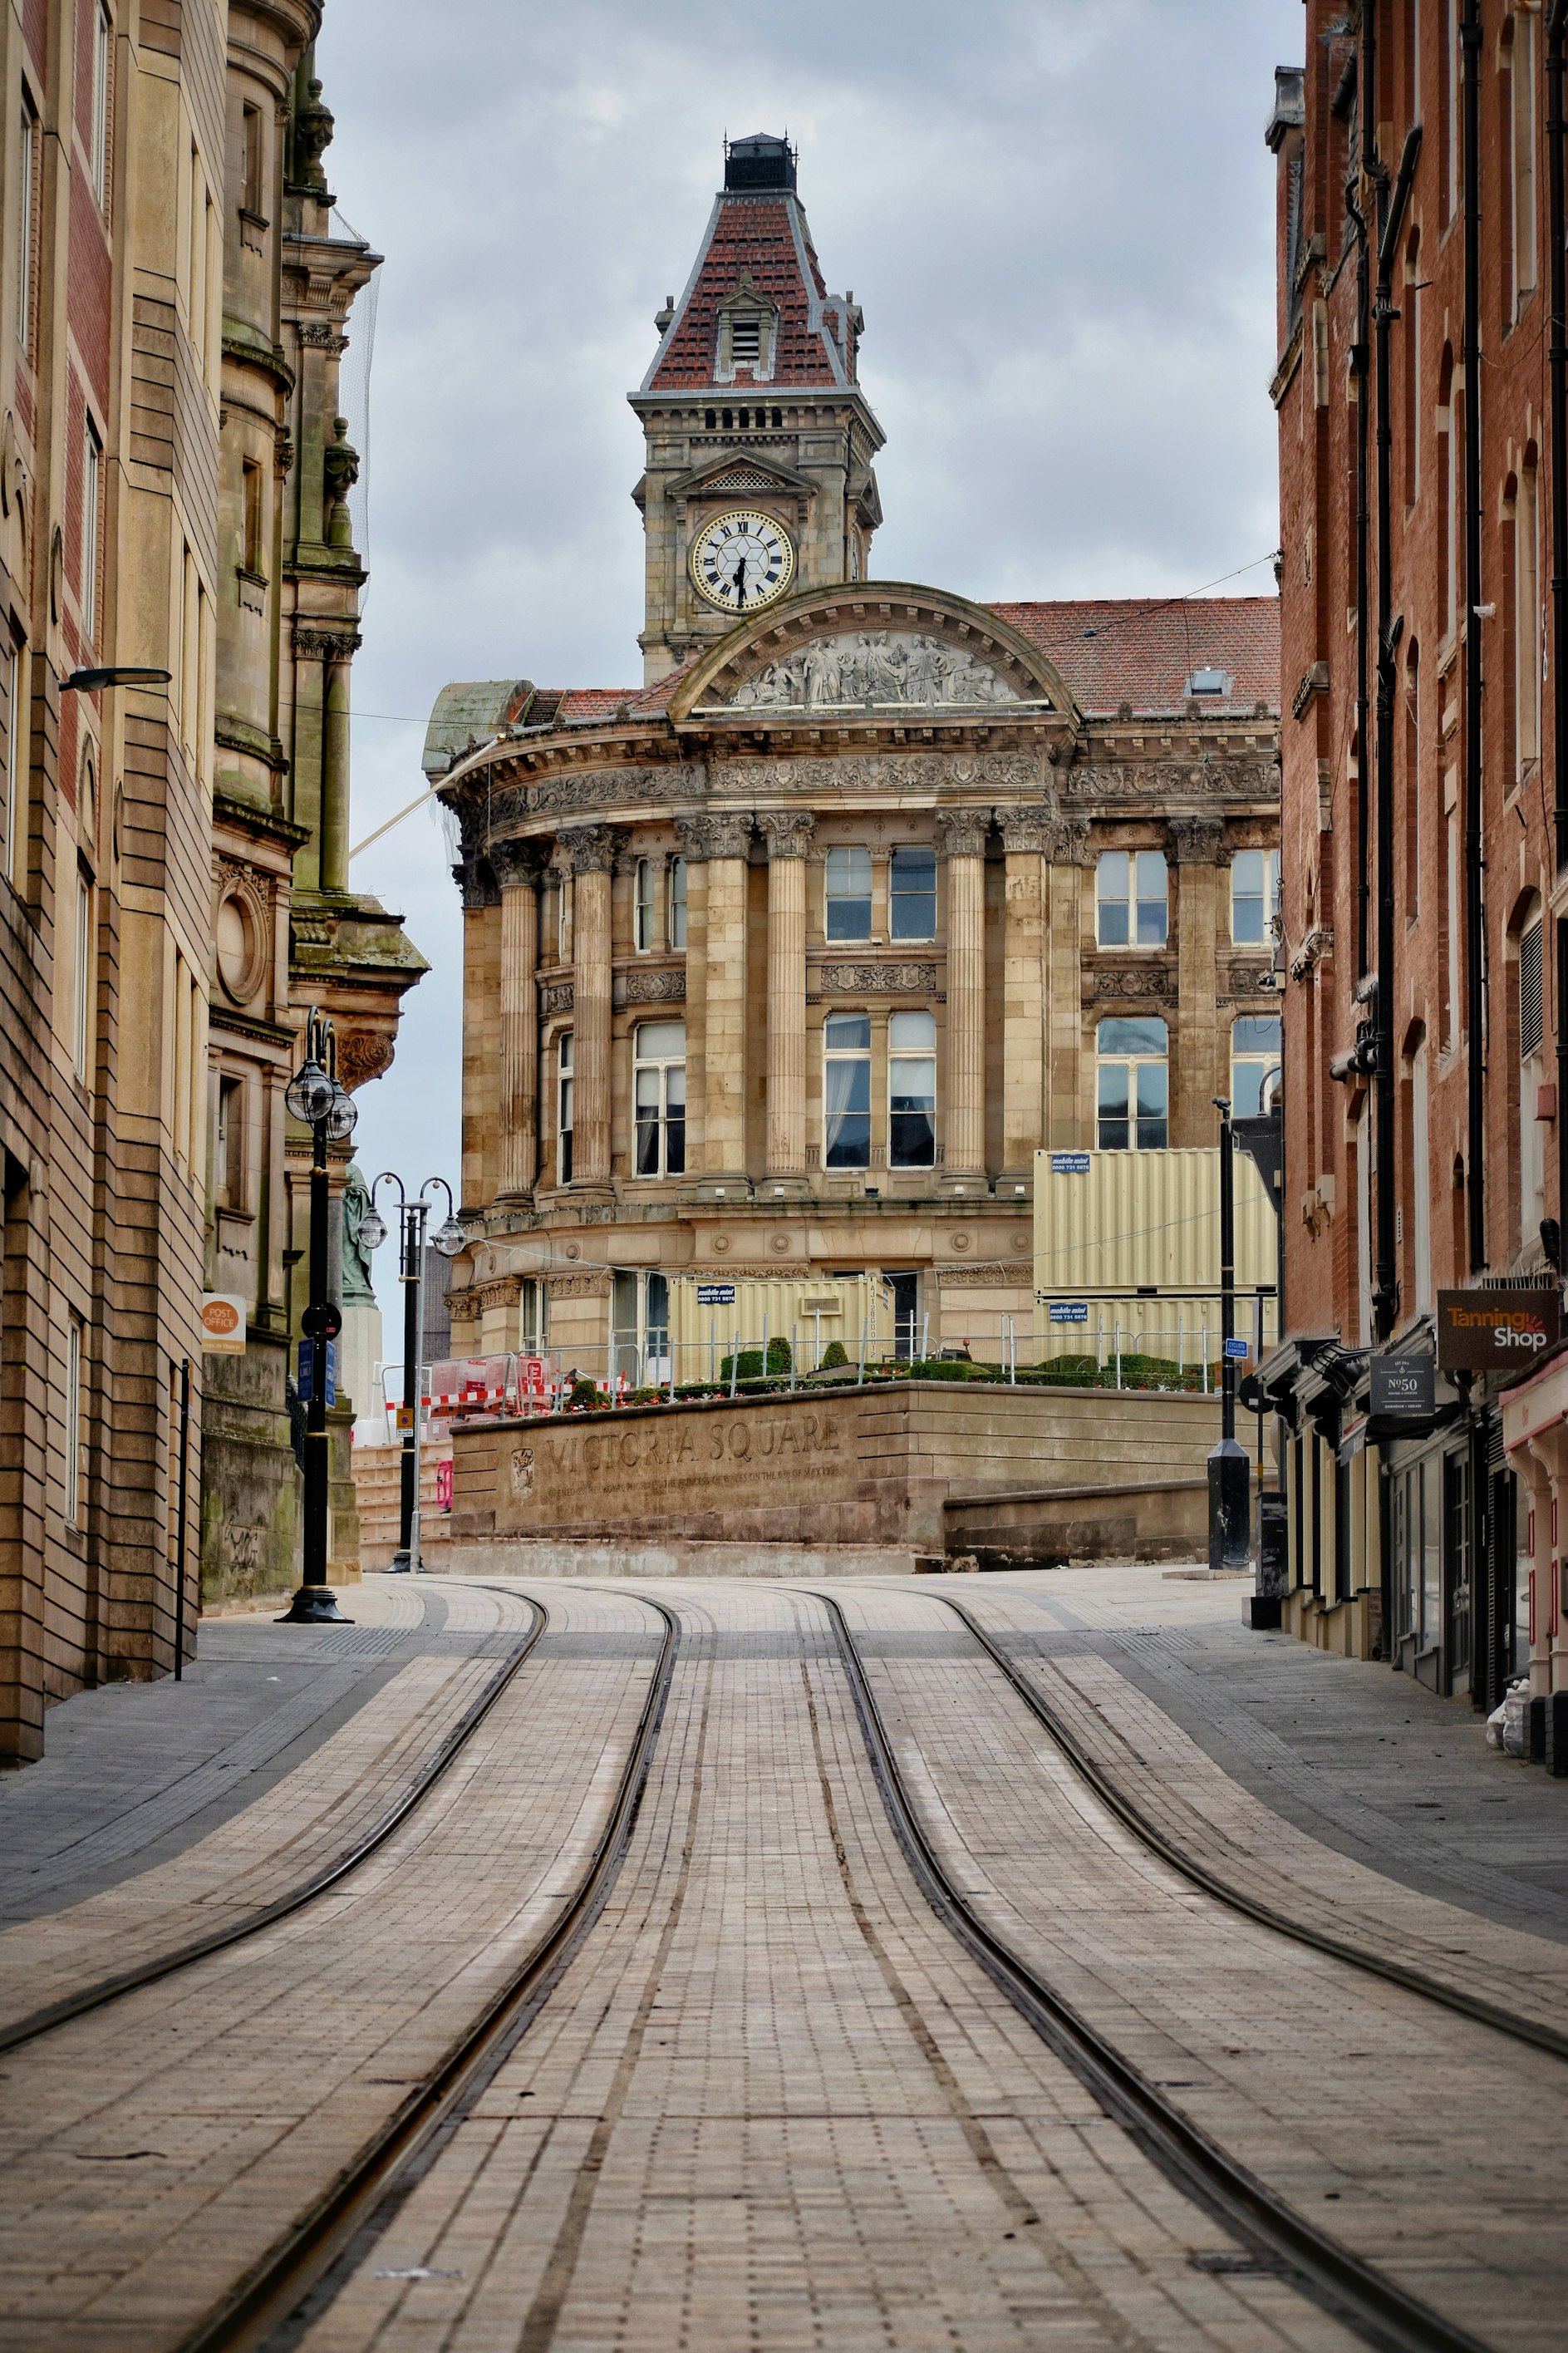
[1495, 1331]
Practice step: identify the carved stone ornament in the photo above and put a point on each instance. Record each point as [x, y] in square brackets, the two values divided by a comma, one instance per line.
[876, 979]
[362, 1055]
[628, 788]
[557, 997]
[828, 776]
[961, 833]
[595, 1285]
[477, 884]
[1253, 979]
[313, 128]
[1175, 780]
[996, 1275]
[319, 335]
[789, 832]
[667, 988]
[1025, 828]
[586, 850]
[514, 862]
[318, 641]
[1197, 840]
[875, 669]
[1122, 981]
[720, 833]
[504, 1292]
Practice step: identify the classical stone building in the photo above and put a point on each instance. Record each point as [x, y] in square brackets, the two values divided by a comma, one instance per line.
[787, 962]
[172, 287]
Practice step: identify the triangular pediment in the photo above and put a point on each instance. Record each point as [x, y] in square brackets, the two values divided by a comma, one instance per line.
[743, 473]
[874, 649]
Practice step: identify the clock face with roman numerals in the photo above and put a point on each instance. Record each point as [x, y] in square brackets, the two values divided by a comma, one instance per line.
[743, 561]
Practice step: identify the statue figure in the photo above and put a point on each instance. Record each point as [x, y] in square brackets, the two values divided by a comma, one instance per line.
[358, 1289]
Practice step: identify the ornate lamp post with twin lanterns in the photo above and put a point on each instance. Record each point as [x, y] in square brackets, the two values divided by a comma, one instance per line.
[448, 1240]
[318, 1102]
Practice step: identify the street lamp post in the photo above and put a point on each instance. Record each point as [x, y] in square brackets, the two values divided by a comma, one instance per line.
[1230, 1498]
[316, 1100]
[448, 1240]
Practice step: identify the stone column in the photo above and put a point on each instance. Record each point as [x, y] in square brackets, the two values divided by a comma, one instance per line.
[516, 867]
[1069, 1104]
[1200, 1067]
[721, 839]
[481, 990]
[789, 833]
[590, 852]
[960, 842]
[1026, 835]
[335, 765]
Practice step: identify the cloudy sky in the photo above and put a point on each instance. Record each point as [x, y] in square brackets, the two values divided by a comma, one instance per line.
[1057, 217]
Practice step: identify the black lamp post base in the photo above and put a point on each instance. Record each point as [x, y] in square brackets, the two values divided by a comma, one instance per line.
[313, 1605]
[400, 1565]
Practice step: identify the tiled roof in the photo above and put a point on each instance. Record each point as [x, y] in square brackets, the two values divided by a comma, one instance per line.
[757, 235]
[1116, 650]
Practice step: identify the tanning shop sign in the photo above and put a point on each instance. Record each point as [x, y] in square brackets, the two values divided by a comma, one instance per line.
[1495, 1331]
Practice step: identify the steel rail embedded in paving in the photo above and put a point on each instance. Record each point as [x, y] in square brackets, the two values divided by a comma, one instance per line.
[1399, 1973]
[1364, 2298]
[275, 2286]
[199, 1948]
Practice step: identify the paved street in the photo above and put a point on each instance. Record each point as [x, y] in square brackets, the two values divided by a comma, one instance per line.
[770, 2100]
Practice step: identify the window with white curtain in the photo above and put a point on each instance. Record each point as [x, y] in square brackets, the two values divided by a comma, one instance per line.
[645, 911]
[846, 1090]
[658, 1075]
[911, 1089]
[564, 1109]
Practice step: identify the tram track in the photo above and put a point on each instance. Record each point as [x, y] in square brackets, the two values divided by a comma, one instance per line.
[184, 1956]
[1355, 2291]
[274, 2286]
[1410, 1979]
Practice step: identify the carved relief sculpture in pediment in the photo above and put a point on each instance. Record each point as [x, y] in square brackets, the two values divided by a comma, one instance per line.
[874, 669]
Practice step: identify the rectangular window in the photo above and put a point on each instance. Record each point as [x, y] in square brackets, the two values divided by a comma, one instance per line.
[848, 895]
[745, 342]
[647, 907]
[250, 484]
[911, 1089]
[1521, 86]
[73, 1420]
[1256, 1044]
[27, 227]
[658, 1077]
[677, 904]
[102, 60]
[913, 894]
[1134, 1085]
[91, 530]
[81, 1010]
[1131, 890]
[563, 1109]
[1529, 1021]
[228, 1187]
[846, 1090]
[563, 919]
[1254, 882]
[250, 188]
[15, 753]
[1421, 1156]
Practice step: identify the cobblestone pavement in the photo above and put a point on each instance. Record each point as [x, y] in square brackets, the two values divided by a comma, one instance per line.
[773, 2104]
[149, 2152]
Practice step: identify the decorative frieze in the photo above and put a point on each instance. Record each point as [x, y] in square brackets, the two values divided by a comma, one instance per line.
[876, 669]
[877, 979]
[589, 1283]
[1120, 981]
[631, 789]
[829, 777]
[667, 988]
[1175, 780]
[994, 1275]
[556, 996]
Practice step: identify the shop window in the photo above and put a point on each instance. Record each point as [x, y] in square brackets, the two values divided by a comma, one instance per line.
[1254, 886]
[912, 894]
[660, 1089]
[1256, 1044]
[848, 895]
[1132, 894]
[846, 1090]
[911, 1089]
[564, 1109]
[1134, 1085]
[677, 904]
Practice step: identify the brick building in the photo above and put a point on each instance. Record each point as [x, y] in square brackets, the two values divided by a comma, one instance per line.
[784, 963]
[1423, 836]
[149, 833]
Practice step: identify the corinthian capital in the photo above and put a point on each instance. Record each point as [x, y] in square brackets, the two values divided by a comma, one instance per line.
[717, 833]
[789, 832]
[1197, 840]
[961, 832]
[586, 850]
[1025, 828]
[513, 861]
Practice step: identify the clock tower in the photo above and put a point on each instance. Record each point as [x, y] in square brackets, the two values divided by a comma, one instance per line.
[758, 479]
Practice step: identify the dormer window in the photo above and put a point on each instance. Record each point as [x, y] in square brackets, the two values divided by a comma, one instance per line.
[745, 342]
[1209, 682]
[747, 334]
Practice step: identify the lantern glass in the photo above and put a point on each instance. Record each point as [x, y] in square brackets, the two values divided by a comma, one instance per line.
[450, 1238]
[373, 1228]
[342, 1117]
[310, 1093]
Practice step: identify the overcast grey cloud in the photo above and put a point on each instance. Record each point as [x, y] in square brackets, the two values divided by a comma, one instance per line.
[1059, 219]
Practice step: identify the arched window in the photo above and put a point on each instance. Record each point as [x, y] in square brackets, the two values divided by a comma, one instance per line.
[659, 1074]
[911, 1089]
[1134, 1085]
[1528, 615]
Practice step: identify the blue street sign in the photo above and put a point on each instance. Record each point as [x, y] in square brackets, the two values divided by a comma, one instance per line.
[307, 1371]
[1069, 1310]
[1236, 1348]
[715, 1294]
[1070, 1164]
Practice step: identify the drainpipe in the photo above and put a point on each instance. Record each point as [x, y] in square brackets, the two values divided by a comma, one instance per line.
[1385, 1294]
[1557, 355]
[1475, 911]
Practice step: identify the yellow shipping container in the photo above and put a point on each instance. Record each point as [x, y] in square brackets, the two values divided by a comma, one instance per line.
[1110, 1224]
[703, 1330]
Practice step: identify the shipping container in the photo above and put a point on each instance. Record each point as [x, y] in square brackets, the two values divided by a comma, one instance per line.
[809, 1312]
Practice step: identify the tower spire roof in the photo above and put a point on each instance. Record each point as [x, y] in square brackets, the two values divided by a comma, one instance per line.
[757, 260]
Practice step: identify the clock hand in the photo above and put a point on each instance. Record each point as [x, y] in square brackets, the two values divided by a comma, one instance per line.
[741, 583]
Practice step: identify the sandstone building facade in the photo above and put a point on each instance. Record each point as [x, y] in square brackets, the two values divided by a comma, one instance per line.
[787, 962]
[153, 833]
